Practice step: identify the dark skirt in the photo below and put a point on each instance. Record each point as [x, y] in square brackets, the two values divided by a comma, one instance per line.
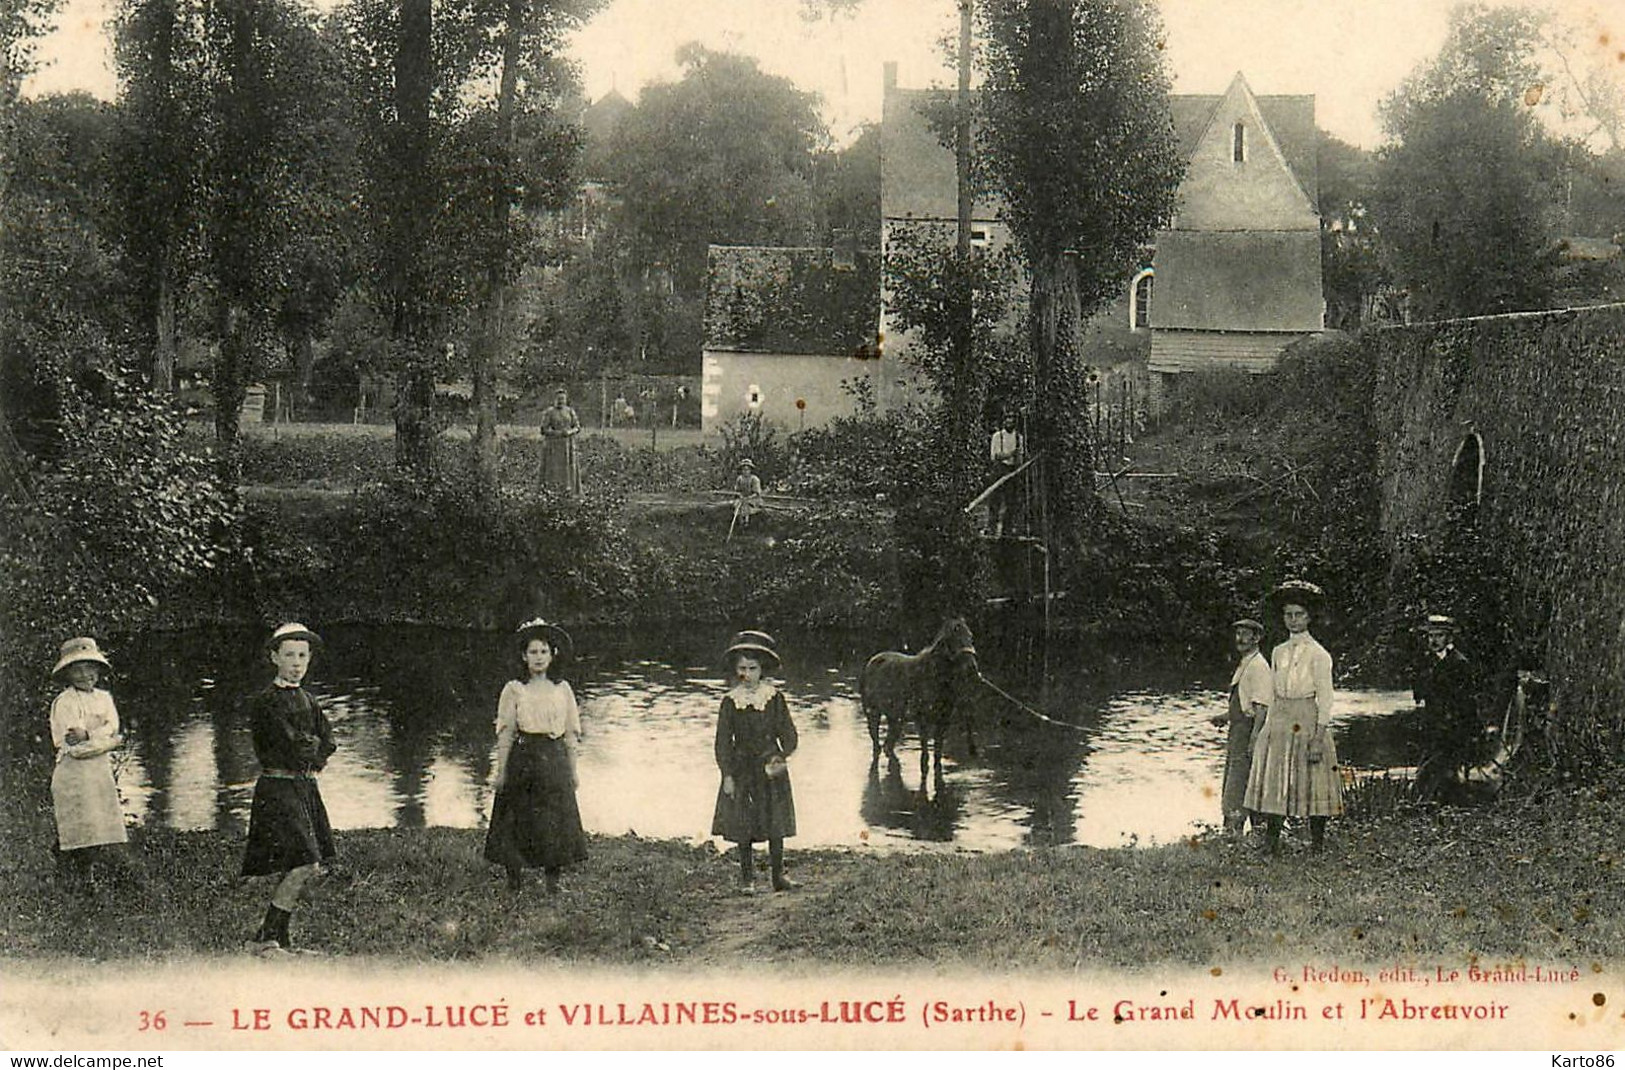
[287, 827]
[761, 808]
[534, 821]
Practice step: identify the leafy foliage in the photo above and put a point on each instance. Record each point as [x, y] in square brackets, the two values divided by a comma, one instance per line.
[128, 515]
[1061, 75]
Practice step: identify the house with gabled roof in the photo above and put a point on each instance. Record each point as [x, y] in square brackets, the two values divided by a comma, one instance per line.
[1236, 273]
[1238, 268]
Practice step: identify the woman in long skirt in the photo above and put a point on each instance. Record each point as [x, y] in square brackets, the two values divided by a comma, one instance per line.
[534, 821]
[560, 426]
[1295, 772]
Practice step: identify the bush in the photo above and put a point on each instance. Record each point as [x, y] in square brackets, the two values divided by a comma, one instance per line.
[128, 516]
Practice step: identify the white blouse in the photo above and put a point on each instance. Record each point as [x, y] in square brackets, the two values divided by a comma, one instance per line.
[1253, 683]
[93, 713]
[548, 708]
[1303, 669]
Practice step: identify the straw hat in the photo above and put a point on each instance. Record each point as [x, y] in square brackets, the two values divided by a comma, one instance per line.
[1296, 593]
[758, 645]
[79, 649]
[537, 628]
[746, 462]
[292, 630]
[1438, 622]
[1248, 622]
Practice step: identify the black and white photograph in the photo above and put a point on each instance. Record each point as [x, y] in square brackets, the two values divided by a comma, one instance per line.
[812, 525]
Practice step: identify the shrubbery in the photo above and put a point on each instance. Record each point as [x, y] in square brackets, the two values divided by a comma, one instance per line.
[128, 515]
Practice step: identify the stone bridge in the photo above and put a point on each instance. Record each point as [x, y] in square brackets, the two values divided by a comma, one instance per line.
[1501, 456]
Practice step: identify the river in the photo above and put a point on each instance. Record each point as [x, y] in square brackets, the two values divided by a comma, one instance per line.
[412, 711]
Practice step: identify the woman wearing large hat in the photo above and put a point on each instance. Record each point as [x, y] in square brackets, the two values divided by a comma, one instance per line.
[1294, 771]
[535, 822]
[755, 737]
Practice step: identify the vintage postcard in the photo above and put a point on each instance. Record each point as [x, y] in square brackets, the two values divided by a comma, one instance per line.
[652, 755]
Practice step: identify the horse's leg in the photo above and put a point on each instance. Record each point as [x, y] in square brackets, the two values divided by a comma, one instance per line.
[894, 732]
[925, 752]
[872, 715]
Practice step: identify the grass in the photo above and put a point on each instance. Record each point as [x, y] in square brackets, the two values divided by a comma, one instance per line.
[1534, 881]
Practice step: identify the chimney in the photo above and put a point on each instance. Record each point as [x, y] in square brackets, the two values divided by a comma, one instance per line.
[889, 77]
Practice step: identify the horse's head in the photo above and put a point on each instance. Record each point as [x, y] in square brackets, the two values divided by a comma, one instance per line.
[956, 642]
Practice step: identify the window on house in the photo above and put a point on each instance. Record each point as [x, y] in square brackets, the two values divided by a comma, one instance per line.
[978, 237]
[1238, 144]
[1142, 302]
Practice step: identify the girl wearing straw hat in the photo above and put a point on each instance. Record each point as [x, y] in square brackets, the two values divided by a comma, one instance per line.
[534, 819]
[289, 835]
[1294, 771]
[85, 731]
[755, 736]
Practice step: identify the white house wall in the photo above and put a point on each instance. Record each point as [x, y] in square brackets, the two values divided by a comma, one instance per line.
[735, 384]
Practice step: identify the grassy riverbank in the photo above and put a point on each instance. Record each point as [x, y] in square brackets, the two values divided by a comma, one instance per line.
[1535, 881]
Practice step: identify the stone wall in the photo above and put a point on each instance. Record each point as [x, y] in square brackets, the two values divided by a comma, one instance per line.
[1501, 459]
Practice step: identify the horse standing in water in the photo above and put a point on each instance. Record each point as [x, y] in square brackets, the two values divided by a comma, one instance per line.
[928, 686]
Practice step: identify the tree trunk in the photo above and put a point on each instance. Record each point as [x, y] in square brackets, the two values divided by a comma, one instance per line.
[164, 348]
[411, 233]
[493, 300]
[232, 372]
[1060, 424]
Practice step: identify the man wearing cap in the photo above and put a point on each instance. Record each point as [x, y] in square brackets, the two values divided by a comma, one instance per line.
[1452, 733]
[1251, 686]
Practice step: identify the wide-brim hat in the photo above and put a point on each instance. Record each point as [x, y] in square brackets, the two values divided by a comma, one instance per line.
[747, 463]
[556, 637]
[292, 630]
[1296, 593]
[1248, 622]
[81, 648]
[1437, 622]
[758, 645]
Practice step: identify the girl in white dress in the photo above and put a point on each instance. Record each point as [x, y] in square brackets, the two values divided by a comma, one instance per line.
[85, 731]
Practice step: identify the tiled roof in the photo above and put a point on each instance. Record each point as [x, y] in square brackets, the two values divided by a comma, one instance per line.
[917, 170]
[1259, 280]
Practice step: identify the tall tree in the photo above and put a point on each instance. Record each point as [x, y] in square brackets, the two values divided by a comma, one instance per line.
[1466, 199]
[401, 82]
[1079, 140]
[725, 155]
[269, 84]
[160, 64]
[530, 158]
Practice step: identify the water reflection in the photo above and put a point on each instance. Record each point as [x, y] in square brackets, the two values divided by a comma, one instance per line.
[1137, 762]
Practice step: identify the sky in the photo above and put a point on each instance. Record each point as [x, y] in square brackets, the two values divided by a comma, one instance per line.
[1349, 54]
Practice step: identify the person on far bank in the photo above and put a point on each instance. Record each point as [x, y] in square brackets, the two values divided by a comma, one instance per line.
[84, 794]
[748, 489]
[535, 822]
[289, 836]
[1453, 734]
[560, 426]
[1005, 449]
[1251, 689]
[755, 738]
[1294, 770]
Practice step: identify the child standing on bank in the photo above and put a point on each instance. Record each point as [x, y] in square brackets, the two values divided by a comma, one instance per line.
[85, 732]
[288, 830]
[755, 736]
[534, 818]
